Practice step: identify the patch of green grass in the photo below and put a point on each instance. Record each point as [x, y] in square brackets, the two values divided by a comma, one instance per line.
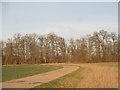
[19, 71]
[67, 81]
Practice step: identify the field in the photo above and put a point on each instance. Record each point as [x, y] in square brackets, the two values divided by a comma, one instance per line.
[102, 75]
[19, 71]
[114, 64]
[83, 75]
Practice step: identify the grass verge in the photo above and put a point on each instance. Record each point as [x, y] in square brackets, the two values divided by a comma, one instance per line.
[19, 71]
[67, 81]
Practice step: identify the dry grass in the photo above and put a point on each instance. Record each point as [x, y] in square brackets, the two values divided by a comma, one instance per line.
[87, 76]
[100, 77]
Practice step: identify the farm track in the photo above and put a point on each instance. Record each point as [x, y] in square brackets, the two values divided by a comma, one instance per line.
[32, 81]
[94, 76]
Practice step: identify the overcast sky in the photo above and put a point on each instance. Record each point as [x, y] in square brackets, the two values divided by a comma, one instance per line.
[69, 20]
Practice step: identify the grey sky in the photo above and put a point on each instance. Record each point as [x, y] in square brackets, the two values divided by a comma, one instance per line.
[69, 20]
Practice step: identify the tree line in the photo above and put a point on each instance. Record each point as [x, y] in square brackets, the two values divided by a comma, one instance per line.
[102, 46]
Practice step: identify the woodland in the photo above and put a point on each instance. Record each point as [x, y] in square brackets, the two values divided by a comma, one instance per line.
[101, 46]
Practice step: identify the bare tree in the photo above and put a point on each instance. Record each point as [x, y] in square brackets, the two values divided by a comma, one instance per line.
[34, 49]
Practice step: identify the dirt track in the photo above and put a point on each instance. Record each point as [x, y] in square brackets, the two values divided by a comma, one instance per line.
[94, 77]
[31, 81]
